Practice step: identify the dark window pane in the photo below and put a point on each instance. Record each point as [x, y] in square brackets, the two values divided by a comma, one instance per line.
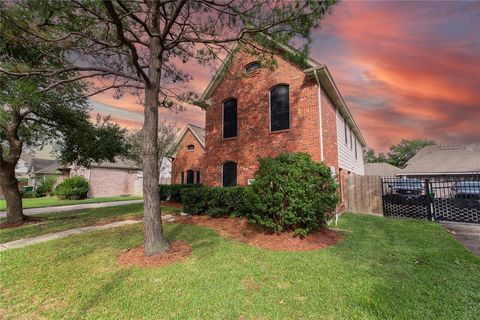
[229, 174]
[198, 177]
[190, 147]
[230, 118]
[279, 108]
[190, 176]
[183, 177]
[252, 66]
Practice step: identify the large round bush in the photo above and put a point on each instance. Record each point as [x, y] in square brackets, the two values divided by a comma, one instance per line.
[292, 193]
[73, 188]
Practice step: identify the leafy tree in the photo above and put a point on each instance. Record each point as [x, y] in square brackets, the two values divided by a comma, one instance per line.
[36, 110]
[167, 138]
[402, 152]
[142, 45]
[372, 157]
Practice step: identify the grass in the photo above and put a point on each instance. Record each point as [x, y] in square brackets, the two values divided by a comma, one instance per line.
[53, 222]
[384, 269]
[55, 202]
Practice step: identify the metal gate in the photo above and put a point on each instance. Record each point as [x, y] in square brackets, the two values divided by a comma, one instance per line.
[439, 199]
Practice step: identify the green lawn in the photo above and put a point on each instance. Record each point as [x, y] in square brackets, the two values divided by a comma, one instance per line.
[66, 220]
[54, 201]
[384, 269]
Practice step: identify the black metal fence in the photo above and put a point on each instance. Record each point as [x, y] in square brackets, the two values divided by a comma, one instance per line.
[439, 198]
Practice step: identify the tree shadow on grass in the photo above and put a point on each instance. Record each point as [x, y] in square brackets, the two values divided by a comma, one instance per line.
[115, 280]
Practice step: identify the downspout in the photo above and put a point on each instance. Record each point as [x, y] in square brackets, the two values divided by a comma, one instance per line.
[320, 114]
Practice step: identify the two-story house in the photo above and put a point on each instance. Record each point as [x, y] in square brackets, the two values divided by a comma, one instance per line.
[257, 111]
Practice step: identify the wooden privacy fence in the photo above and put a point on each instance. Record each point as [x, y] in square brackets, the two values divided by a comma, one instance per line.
[363, 194]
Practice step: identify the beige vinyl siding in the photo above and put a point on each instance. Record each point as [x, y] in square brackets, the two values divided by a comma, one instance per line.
[346, 151]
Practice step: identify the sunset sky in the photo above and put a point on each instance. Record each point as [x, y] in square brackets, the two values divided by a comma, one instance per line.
[406, 70]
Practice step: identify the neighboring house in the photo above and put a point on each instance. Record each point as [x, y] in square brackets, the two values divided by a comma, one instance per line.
[23, 163]
[459, 162]
[257, 111]
[105, 179]
[188, 159]
[380, 169]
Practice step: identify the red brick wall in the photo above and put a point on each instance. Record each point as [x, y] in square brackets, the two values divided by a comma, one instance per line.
[188, 160]
[254, 137]
[108, 182]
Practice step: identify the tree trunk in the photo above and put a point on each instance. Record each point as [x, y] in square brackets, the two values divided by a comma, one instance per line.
[9, 185]
[155, 242]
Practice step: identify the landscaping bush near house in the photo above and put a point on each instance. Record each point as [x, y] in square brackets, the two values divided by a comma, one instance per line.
[46, 186]
[195, 200]
[215, 201]
[292, 193]
[73, 188]
[172, 192]
[29, 194]
[227, 202]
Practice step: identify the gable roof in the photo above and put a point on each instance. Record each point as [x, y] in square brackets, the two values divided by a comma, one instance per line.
[439, 160]
[380, 169]
[319, 71]
[198, 133]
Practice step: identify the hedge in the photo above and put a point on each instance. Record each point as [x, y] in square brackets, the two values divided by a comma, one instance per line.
[172, 192]
[215, 201]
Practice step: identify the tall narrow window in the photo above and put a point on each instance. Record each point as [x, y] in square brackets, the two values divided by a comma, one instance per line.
[190, 174]
[345, 127]
[198, 177]
[230, 118]
[356, 154]
[279, 108]
[351, 140]
[229, 174]
[182, 178]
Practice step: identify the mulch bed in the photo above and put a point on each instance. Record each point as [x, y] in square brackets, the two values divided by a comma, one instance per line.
[27, 221]
[178, 251]
[171, 204]
[241, 230]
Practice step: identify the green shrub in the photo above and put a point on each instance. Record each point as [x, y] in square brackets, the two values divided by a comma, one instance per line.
[73, 188]
[292, 192]
[215, 201]
[173, 192]
[46, 185]
[29, 194]
[195, 200]
[227, 202]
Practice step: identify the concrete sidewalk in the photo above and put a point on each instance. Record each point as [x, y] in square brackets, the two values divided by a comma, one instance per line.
[65, 233]
[466, 234]
[73, 207]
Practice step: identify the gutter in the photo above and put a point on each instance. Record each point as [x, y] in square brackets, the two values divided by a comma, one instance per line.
[320, 113]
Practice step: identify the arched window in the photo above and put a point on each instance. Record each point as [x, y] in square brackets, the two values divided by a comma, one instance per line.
[229, 174]
[279, 108]
[252, 66]
[190, 147]
[230, 118]
[190, 176]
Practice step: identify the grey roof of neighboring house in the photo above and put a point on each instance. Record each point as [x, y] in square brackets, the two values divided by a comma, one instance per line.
[46, 166]
[199, 132]
[118, 164]
[43, 166]
[436, 160]
[380, 169]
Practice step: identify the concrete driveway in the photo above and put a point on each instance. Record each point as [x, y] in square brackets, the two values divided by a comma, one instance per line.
[467, 234]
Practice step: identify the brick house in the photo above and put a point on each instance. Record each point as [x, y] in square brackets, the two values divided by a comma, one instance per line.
[256, 111]
[188, 160]
[106, 179]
